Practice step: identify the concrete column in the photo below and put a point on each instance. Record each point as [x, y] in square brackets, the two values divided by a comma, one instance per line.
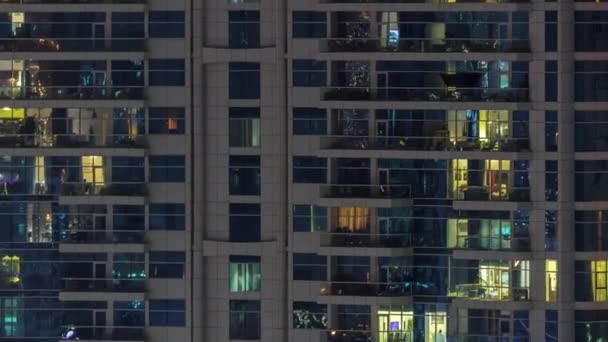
[565, 230]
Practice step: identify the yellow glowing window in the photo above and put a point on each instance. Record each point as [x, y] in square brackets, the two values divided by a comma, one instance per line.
[598, 280]
[550, 280]
[92, 169]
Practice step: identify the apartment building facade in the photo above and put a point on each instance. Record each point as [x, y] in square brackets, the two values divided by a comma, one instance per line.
[303, 170]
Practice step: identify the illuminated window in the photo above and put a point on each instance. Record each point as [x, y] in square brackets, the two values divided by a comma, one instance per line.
[599, 276]
[245, 273]
[550, 280]
[92, 170]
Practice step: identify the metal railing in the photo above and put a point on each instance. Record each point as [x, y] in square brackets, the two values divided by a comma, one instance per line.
[72, 44]
[103, 285]
[493, 243]
[25, 2]
[101, 236]
[485, 292]
[424, 94]
[424, 45]
[72, 140]
[115, 189]
[366, 191]
[483, 193]
[107, 332]
[366, 289]
[433, 143]
[72, 93]
[393, 240]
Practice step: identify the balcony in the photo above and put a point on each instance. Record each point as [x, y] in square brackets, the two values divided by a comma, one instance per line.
[84, 2]
[103, 285]
[421, 1]
[359, 289]
[346, 336]
[91, 236]
[486, 243]
[72, 141]
[88, 189]
[72, 44]
[71, 93]
[440, 142]
[106, 333]
[365, 240]
[424, 45]
[365, 191]
[425, 94]
[483, 193]
[490, 293]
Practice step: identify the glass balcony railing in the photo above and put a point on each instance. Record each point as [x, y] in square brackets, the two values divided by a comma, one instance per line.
[365, 240]
[25, 2]
[483, 193]
[91, 236]
[422, 1]
[103, 285]
[506, 243]
[105, 333]
[115, 189]
[365, 191]
[434, 143]
[71, 140]
[337, 288]
[424, 45]
[492, 293]
[424, 94]
[71, 44]
[346, 336]
[72, 93]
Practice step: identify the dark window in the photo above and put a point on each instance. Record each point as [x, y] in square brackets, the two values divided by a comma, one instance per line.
[128, 170]
[167, 216]
[551, 230]
[590, 30]
[309, 121]
[551, 326]
[128, 223]
[551, 180]
[244, 175]
[309, 170]
[166, 120]
[128, 31]
[166, 24]
[591, 180]
[550, 80]
[167, 264]
[244, 80]
[309, 218]
[591, 131]
[591, 81]
[167, 312]
[308, 24]
[245, 222]
[244, 125]
[166, 72]
[245, 273]
[551, 131]
[551, 31]
[591, 229]
[309, 73]
[244, 29]
[309, 315]
[245, 319]
[307, 266]
[164, 168]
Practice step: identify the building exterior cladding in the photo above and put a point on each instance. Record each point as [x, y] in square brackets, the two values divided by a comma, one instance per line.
[303, 170]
